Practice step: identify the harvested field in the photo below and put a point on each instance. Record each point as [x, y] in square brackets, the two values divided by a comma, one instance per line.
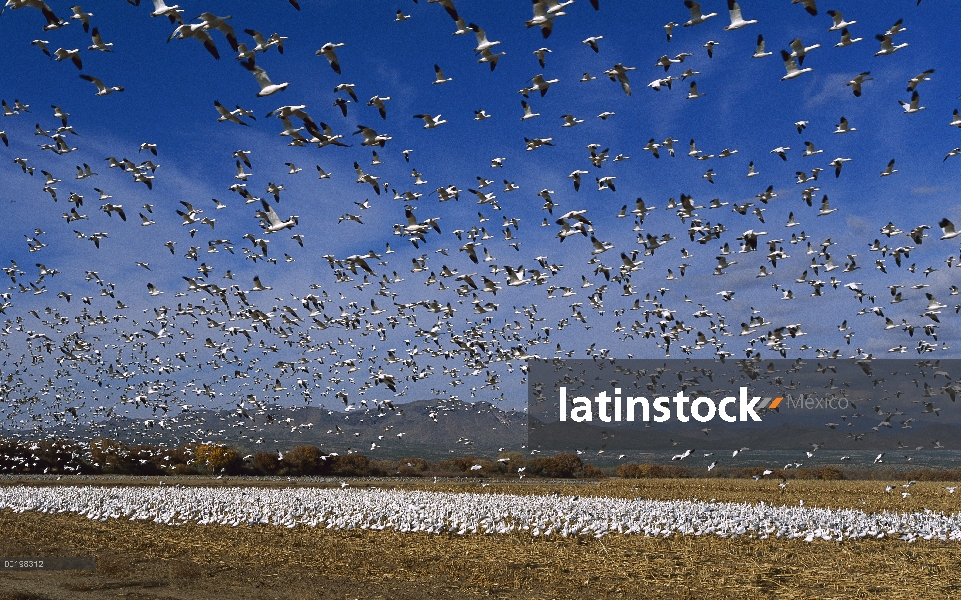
[149, 560]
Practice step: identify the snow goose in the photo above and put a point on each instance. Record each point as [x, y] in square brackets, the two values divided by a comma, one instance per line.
[697, 17]
[838, 21]
[328, 52]
[267, 87]
[887, 45]
[791, 66]
[759, 51]
[737, 21]
[102, 90]
[846, 39]
[855, 84]
[429, 121]
[439, 76]
[913, 106]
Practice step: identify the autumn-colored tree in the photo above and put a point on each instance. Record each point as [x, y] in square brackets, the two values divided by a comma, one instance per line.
[514, 460]
[306, 460]
[110, 456]
[351, 465]
[266, 463]
[412, 467]
[218, 458]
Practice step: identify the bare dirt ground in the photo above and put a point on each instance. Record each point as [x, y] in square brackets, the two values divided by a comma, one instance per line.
[149, 560]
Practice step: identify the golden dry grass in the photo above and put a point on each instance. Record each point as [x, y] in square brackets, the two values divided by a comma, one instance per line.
[149, 560]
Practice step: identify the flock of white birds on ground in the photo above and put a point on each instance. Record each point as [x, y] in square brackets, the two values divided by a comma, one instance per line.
[355, 334]
[471, 513]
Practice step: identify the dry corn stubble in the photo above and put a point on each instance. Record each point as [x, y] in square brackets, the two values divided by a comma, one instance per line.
[216, 561]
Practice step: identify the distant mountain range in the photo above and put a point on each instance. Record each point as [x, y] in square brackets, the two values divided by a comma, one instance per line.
[435, 429]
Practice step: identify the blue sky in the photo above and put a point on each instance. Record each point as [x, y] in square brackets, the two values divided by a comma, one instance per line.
[170, 88]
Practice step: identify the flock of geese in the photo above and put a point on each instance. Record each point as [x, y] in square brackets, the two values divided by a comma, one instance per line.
[230, 323]
[471, 513]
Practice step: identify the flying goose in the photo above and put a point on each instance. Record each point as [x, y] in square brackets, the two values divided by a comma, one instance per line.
[429, 121]
[197, 32]
[759, 51]
[102, 90]
[62, 54]
[838, 21]
[809, 5]
[98, 43]
[887, 45]
[737, 21]
[171, 12]
[914, 81]
[439, 76]
[913, 106]
[328, 52]
[855, 84]
[947, 229]
[791, 66]
[696, 16]
[846, 39]
[273, 222]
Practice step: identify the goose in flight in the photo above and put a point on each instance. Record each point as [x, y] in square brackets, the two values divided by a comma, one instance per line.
[371, 137]
[328, 52]
[482, 42]
[696, 16]
[799, 50]
[212, 21]
[227, 115]
[439, 76]
[98, 43]
[837, 163]
[102, 90]
[844, 127]
[592, 42]
[544, 17]
[273, 222]
[378, 102]
[889, 170]
[846, 39]
[53, 21]
[62, 54]
[947, 229]
[197, 32]
[693, 93]
[267, 87]
[538, 83]
[619, 73]
[855, 84]
[913, 106]
[528, 113]
[809, 5]
[490, 57]
[264, 44]
[759, 51]
[914, 81]
[887, 44]
[42, 44]
[791, 66]
[896, 28]
[174, 13]
[825, 207]
[429, 121]
[539, 53]
[838, 21]
[737, 21]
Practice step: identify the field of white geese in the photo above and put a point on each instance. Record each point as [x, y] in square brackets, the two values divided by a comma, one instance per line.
[472, 513]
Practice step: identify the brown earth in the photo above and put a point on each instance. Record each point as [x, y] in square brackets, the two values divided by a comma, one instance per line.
[149, 560]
